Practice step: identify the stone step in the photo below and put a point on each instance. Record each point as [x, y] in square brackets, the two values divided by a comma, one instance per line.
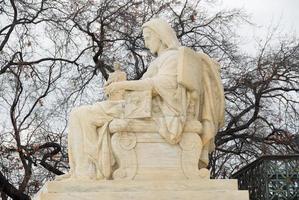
[150, 195]
[133, 186]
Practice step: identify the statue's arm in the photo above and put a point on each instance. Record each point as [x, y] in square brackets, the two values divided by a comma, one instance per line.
[138, 85]
[143, 84]
[166, 78]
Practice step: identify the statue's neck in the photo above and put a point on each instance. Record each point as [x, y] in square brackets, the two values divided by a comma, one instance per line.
[161, 49]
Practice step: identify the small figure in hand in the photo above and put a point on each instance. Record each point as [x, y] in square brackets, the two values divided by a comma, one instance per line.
[116, 76]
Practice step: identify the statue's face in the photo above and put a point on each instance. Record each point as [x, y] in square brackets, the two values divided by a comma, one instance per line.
[151, 40]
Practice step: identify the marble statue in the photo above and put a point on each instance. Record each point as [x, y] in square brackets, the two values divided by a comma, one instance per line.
[150, 140]
[177, 106]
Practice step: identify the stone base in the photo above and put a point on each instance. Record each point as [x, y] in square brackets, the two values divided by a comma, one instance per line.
[208, 189]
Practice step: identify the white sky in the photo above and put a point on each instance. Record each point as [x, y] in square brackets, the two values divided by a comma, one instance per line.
[266, 14]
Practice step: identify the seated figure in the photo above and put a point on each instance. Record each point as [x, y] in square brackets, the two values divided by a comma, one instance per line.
[178, 103]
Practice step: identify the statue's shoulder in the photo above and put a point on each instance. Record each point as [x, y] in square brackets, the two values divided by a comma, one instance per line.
[169, 56]
[171, 52]
[186, 53]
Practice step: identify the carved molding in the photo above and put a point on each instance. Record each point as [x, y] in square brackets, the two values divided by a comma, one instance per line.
[135, 125]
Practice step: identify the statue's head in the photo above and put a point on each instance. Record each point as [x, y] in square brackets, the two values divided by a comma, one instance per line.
[159, 35]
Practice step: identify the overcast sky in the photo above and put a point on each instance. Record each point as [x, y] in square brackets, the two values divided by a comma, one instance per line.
[266, 14]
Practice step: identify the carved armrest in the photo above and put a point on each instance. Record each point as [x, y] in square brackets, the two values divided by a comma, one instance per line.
[148, 126]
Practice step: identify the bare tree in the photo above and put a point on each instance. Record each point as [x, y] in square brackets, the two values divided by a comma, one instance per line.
[262, 108]
[55, 55]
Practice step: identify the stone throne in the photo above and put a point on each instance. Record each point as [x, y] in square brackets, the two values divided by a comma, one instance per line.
[141, 152]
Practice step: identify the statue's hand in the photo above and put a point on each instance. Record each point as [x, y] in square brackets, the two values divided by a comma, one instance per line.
[113, 87]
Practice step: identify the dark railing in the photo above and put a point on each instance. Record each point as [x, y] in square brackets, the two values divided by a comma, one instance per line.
[271, 178]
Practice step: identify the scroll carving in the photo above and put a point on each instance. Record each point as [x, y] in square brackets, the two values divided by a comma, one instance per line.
[123, 146]
[191, 146]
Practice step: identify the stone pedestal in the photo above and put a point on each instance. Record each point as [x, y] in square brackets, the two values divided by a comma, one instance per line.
[149, 168]
[208, 189]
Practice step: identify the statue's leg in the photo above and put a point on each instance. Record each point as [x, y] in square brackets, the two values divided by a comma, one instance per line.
[84, 139]
[78, 160]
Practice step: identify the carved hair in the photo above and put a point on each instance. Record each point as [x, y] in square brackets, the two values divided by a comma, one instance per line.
[164, 31]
